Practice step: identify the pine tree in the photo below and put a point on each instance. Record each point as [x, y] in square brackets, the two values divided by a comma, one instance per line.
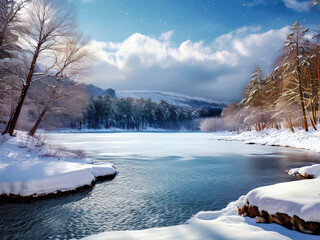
[296, 46]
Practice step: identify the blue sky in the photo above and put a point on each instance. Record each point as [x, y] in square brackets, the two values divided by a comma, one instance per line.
[169, 44]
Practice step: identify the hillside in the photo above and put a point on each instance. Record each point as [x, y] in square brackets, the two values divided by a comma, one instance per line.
[176, 99]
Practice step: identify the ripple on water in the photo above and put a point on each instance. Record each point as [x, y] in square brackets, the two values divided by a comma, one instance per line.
[152, 192]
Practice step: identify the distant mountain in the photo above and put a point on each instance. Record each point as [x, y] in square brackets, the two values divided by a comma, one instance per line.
[175, 99]
[97, 91]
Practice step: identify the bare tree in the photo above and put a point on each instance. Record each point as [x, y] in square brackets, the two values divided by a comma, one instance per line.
[50, 47]
[10, 15]
[54, 98]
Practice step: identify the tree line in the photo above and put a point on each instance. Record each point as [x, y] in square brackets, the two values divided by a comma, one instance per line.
[133, 113]
[288, 97]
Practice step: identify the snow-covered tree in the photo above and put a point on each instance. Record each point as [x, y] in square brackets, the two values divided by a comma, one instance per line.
[297, 47]
[253, 93]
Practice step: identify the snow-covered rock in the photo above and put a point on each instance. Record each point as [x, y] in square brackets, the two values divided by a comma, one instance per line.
[307, 171]
[300, 198]
[29, 167]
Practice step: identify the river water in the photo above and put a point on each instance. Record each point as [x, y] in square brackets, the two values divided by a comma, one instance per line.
[164, 179]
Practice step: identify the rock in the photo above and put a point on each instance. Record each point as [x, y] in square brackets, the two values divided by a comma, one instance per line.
[283, 219]
[253, 211]
[260, 219]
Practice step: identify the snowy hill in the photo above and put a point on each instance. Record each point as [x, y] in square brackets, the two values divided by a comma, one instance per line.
[176, 99]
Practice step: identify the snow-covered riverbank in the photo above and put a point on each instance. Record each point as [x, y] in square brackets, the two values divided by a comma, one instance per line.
[30, 168]
[272, 137]
[228, 224]
[298, 200]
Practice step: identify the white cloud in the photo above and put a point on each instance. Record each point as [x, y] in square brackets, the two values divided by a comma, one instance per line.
[297, 5]
[219, 69]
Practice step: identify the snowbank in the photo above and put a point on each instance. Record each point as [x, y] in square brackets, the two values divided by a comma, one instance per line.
[306, 172]
[224, 224]
[284, 137]
[300, 198]
[30, 168]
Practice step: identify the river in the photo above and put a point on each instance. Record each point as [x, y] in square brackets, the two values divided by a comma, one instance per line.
[164, 179]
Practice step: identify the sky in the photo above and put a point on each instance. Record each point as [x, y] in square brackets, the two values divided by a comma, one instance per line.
[205, 48]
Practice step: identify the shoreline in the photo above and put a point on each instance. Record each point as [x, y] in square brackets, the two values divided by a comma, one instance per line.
[13, 198]
[275, 138]
[32, 169]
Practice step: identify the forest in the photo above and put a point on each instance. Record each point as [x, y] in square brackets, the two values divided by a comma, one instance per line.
[132, 113]
[287, 97]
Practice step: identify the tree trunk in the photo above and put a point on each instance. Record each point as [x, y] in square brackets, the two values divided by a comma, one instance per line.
[35, 127]
[305, 123]
[290, 125]
[318, 71]
[303, 110]
[14, 119]
[309, 86]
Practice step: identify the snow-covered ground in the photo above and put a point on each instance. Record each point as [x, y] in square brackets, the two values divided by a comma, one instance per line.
[28, 167]
[272, 137]
[300, 198]
[215, 225]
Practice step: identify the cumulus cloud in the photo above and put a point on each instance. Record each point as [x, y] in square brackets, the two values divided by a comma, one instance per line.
[297, 5]
[219, 69]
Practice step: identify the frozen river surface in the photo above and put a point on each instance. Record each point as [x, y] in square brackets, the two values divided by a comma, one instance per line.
[164, 179]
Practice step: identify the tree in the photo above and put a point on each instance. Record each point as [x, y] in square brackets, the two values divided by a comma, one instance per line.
[48, 36]
[253, 93]
[297, 47]
[254, 96]
[54, 98]
[9, 24]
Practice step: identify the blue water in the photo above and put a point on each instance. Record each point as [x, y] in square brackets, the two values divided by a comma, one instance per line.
[164, 179]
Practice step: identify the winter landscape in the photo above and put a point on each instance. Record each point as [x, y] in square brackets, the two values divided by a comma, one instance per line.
[196, 120]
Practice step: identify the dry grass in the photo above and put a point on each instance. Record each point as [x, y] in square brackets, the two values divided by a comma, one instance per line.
[46, 149]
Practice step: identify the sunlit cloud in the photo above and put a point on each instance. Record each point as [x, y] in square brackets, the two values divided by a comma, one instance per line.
[207, 69]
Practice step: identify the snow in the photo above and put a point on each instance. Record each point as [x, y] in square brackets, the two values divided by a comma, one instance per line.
[176, 99]
[307, 171]
[224, 224]
[300, 198]
[110, 130]
[30, 168]
[284, 137]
